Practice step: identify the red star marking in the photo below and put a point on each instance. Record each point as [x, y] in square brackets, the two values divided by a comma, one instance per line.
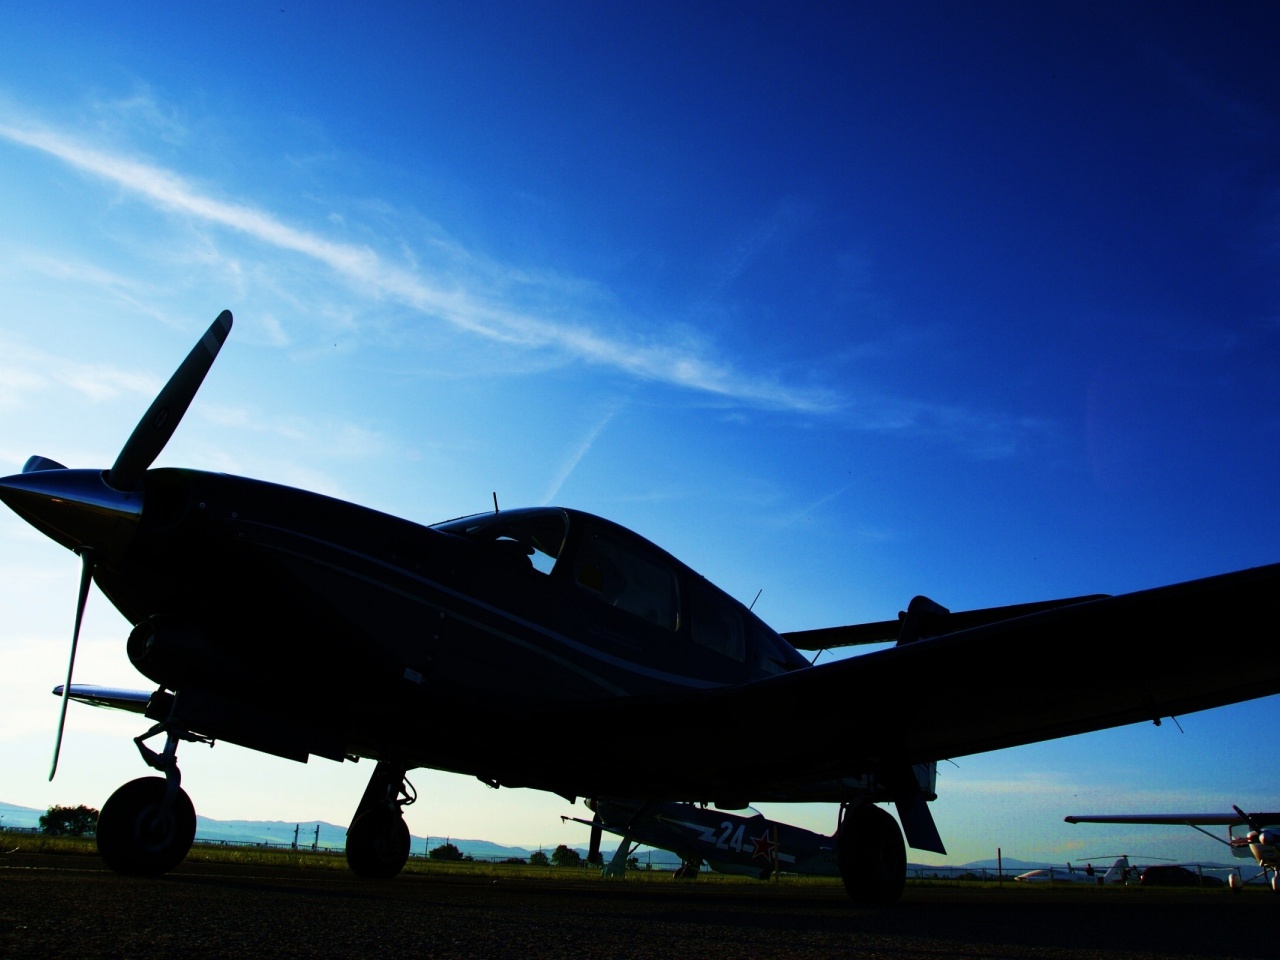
[763, 846]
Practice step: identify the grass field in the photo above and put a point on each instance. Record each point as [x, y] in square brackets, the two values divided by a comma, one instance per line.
[307, 860]
[34, 843]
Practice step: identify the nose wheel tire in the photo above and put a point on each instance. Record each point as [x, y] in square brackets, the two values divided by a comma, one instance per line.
[137, 835]
[377, 844]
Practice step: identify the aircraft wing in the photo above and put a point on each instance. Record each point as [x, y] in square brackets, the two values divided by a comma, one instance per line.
[1057, 672]
[135, 701]
[1180, 819]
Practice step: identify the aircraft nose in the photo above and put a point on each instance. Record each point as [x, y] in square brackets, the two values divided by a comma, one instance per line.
[75, 508]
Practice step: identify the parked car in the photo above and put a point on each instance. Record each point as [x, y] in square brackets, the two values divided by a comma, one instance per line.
[1171, 875]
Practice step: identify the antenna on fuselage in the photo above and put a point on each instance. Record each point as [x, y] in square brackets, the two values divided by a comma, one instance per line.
[757, 597]
[495, 501]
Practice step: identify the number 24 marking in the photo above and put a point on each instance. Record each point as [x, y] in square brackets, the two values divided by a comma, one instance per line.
[725, 842]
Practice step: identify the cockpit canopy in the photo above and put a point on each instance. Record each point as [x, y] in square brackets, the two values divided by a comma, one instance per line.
[604, 564]
[541, 530]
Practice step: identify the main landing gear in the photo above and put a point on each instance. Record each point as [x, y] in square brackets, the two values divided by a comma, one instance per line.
[146, 827]
[378, 838]
[688, 870]
[871, 855]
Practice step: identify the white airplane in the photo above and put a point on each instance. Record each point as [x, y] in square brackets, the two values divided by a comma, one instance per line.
[1249, 835]
[1118, 872]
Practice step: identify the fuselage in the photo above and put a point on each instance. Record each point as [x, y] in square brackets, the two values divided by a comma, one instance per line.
[244, 594]
[460, 610]
[1116, 873]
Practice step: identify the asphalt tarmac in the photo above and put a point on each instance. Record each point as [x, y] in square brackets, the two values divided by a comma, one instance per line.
[72, 906]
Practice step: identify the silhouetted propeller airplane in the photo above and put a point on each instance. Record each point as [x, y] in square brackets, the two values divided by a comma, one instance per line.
[749, 846]
[478, 644]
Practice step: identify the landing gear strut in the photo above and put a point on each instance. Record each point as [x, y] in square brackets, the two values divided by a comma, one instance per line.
[146, 827]
[378, 838]
[871, 855]
[688, 870]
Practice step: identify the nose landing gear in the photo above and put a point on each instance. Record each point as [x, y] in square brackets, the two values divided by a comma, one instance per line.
[146, 827]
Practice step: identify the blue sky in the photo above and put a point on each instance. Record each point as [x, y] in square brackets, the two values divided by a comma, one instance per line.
[843, 305]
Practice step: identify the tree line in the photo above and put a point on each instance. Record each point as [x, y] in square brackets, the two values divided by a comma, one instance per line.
[69, 821]
[561, 856]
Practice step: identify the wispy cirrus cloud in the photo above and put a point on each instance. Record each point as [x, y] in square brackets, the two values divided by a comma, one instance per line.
[579, 451]
[457, 305]
[329, 438]
[24, 371]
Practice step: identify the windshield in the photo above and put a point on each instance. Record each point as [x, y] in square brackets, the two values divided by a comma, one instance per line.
[541, 530]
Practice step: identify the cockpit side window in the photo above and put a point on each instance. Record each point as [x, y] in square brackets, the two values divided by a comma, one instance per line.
[715, 624]
[629, 578]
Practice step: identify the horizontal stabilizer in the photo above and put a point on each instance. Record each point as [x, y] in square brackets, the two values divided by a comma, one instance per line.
[887, 631]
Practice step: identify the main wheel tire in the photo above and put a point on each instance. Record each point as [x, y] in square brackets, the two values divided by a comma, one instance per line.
[134, 837]
[872, 856]
[377, 844]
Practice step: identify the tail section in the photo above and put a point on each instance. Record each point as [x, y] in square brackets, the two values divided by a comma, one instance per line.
[1118, 872]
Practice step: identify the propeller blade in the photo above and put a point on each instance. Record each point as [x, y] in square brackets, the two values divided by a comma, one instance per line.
[162, 417]
[1249, 821]
[86, 578]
